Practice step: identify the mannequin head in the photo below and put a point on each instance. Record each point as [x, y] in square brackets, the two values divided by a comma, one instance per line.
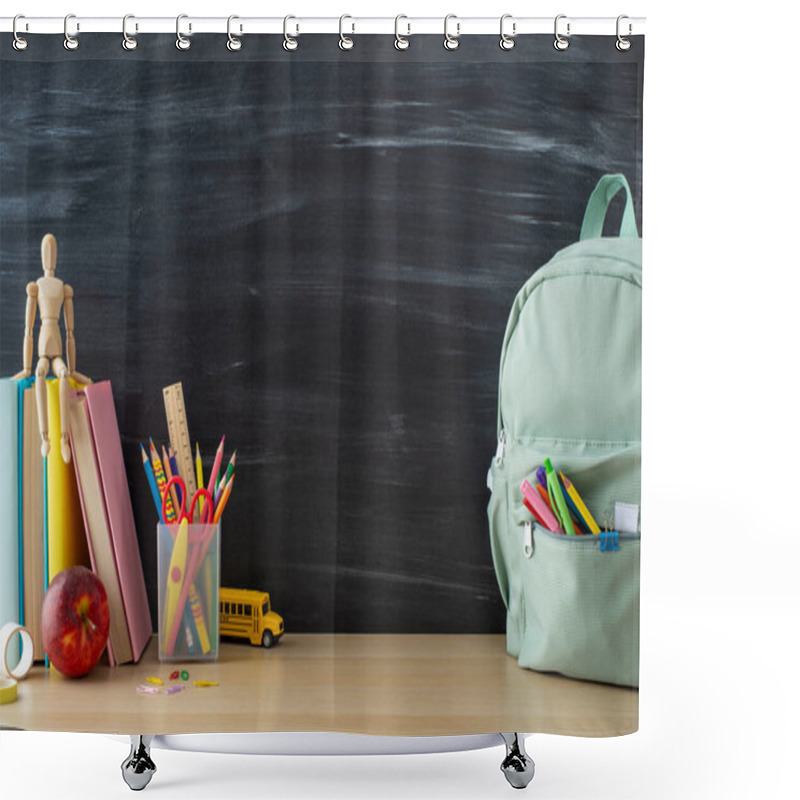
[49, 254]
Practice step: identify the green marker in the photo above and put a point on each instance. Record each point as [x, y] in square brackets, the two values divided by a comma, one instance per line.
[557, 500]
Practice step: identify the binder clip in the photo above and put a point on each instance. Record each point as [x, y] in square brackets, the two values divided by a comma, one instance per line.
[609, 540]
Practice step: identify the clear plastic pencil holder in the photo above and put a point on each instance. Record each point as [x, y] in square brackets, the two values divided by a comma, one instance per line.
[188, 592]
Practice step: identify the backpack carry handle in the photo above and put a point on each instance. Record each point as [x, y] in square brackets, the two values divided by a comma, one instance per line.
[606, 190]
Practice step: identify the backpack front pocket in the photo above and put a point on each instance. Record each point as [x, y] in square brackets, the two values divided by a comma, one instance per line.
[581, 605]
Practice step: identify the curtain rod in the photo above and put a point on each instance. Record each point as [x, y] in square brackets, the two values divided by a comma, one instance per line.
[348, 25]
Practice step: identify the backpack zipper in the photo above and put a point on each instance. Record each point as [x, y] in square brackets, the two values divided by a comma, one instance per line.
[586, 539]
[501, 448]
[498, 458]
[527, 539]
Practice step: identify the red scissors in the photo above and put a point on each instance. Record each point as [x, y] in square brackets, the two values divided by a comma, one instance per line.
[208, 506]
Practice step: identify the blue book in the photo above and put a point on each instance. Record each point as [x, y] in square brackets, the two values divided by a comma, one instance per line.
[9, 509]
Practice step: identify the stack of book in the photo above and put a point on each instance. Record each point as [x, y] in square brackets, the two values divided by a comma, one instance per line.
[54, 515]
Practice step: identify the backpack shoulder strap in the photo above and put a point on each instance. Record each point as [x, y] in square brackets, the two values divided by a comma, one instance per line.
[607, 188]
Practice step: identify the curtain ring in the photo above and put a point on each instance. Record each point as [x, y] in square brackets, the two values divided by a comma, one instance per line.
[19, 43]
[451, 42]
[70, 42]
[345, 42]
[182, 43]
[507, 42]
[401, 42]
[623, 44]
[288, 42]
[561, 43]
[233, 43]
[128, 42]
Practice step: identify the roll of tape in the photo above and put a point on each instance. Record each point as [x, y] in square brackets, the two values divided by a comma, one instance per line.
[7, 633]
[8, 690]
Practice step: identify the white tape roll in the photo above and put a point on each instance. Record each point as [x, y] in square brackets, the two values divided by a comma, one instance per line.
[21, 670]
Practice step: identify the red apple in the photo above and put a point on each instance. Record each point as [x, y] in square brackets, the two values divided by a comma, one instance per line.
[75, 621]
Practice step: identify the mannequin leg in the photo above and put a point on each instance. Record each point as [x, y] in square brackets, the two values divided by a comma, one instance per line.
[42, 368]
[60, 369]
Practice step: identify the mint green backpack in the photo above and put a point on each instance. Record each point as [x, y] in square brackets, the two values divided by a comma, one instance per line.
[570, 390]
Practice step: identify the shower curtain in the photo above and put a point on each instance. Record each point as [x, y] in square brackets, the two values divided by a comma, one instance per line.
[323, 247]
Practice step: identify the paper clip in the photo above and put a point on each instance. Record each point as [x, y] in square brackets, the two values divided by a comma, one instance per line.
[203, 684]
[154, 681]
[142, 689]
[174, 689]
[609, 541]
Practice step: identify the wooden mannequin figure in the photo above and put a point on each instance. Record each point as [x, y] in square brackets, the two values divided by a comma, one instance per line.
[51, 294]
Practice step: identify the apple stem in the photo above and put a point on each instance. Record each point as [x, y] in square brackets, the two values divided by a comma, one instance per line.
[87, 619]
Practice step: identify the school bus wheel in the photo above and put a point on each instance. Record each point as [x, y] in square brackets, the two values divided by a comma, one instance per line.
[267, 640]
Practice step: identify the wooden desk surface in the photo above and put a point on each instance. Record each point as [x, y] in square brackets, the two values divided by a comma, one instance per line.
[400, 685]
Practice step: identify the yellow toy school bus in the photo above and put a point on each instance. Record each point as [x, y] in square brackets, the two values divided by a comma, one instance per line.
[247, 614]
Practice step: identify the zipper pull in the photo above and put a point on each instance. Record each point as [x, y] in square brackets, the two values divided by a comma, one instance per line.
[501, 448]
[498, 458]
[527, 540]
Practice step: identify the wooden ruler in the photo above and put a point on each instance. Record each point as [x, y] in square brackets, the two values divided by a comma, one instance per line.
[179, 436]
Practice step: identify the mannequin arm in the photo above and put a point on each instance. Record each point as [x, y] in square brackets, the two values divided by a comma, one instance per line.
[27, 343]
[69, 324]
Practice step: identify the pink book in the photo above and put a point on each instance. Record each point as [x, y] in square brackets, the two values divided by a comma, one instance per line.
[98, 534]
[114, 481]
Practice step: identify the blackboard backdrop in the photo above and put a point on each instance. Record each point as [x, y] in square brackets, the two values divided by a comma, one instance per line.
[323, 247]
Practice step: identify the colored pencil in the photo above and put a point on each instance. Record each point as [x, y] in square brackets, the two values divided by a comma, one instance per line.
[173, 463]
[151, 479]
[220, 490]
[212, 479]
[173, 490]
[231, 468]
[161, 481]
[223, 500]
[198, 466]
